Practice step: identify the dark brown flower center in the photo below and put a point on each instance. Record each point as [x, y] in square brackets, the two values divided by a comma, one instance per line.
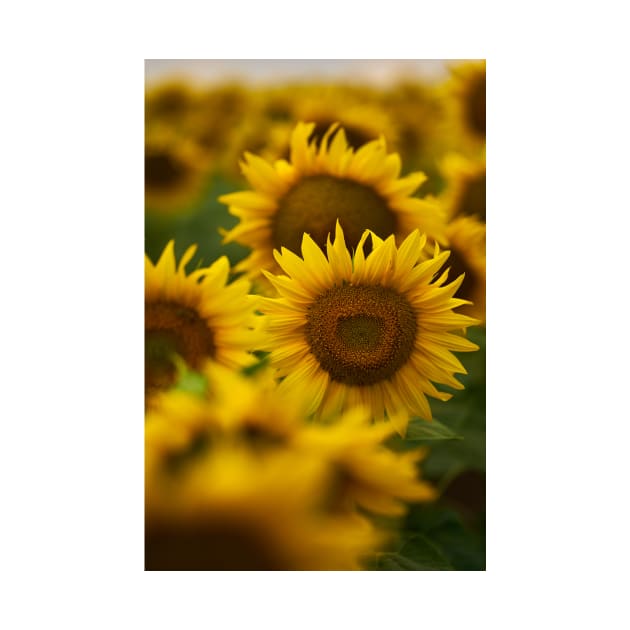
[315, 203]
[476, 106]
[214, 546]
[170, 329]
[361, 334]
[162, 171]
[473, 199]
[172, 102]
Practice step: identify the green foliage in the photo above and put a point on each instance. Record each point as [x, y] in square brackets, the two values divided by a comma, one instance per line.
[463, 545]
[464, 414]
[198, 226]
[188, 380]
[418, 553]
[420, 430]
[447, 535]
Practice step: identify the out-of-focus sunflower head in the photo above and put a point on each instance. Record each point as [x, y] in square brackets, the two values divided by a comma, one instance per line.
[366, 474]
[222, 109]
[230, 509]
[465, 99]
[277, 104]
[419, 115]
[175, 171]
[249, 410]
[170, 103]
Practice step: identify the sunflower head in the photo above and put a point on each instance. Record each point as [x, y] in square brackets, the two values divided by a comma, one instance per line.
[231, 510]
[419, 114]
[229, 484]
[170, 102]
[366, 473]
[323, 184]
[175, 171]
[372, 330]
[196, 316]
[221, 110]
[465, 96]
[208, 456]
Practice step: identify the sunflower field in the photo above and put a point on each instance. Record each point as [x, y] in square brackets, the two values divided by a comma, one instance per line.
[315, 275]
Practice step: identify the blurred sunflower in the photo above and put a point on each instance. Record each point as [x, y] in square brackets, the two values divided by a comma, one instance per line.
[230, 509]
[319, 186]
[175, 171]
[466, 102]
[418, 113]
[170, 103]
[222, 109]
[248, 414]
[197, 316]
[467, 244]
[465, 192]
[250, 411]
[366, 473]
[372, 331]
[232, 409]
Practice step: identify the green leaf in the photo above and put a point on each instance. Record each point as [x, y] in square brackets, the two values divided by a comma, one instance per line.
[423, 430]
[190, 381]
[425, 553]
[417, 554]
[394, 562]
[199, 226]
[463, 545]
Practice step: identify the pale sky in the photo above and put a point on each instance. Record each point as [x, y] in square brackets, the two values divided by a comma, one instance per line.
[265, 71]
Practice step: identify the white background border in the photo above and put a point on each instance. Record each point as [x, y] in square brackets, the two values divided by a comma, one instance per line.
[71, 464]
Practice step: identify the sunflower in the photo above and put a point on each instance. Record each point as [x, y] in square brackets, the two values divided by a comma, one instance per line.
[249, 409]
[319, 186]
[222, 109]
[466, 101]
[467, 244]
[170, 102]
[364, 472]
[465, 192]
[175, 171]
[196, 316]
[250, 412]
[232, 409]
[418, 112]
[367, 474]
[230, 509]
[372, 331]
